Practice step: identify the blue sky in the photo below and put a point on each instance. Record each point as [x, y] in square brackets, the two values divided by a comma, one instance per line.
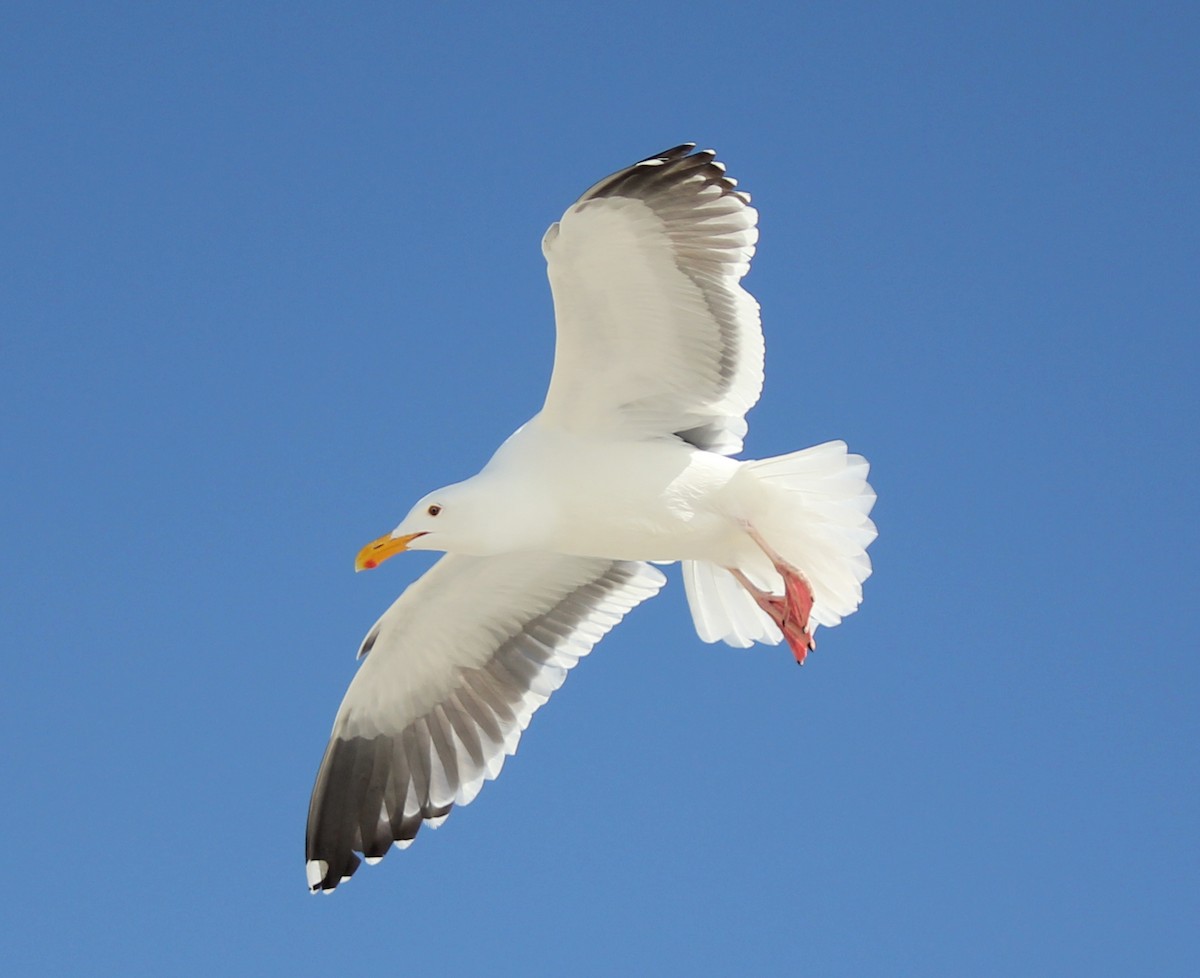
[271, 271]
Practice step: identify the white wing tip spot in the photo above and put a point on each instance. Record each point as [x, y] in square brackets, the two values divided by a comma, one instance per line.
[315, 869]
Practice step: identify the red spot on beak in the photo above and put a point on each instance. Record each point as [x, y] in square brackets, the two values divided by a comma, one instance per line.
[370, 564]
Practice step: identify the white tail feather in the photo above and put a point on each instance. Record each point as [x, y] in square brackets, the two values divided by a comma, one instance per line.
[723, 610]
[816, 516]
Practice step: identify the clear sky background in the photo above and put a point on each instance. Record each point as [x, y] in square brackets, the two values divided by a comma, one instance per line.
[270, 271]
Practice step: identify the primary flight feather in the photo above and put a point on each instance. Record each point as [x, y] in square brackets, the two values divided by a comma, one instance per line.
[659, 356]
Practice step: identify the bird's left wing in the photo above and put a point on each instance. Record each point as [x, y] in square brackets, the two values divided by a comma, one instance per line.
[655, 335]
[453, 671]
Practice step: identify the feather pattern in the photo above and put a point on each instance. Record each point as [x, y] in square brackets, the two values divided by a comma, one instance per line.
[452, 673]
[655, 334]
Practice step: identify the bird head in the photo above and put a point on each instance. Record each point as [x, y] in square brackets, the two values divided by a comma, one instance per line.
[467, 518]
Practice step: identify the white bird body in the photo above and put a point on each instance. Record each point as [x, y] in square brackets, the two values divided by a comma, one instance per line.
[541, 488]
[659, 356]
[659, 500]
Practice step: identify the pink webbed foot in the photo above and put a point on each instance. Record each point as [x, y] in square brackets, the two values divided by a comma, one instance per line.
[800, 601]
[791, 611]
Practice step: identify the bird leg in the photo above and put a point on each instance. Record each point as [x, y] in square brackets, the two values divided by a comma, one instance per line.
[789, 611]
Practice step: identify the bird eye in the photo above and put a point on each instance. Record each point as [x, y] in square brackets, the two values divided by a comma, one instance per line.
[434, 509]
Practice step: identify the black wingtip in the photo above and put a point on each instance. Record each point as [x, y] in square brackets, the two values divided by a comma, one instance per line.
[667, 155]
[666, 168]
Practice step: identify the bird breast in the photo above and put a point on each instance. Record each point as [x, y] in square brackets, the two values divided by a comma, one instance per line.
[624, 500]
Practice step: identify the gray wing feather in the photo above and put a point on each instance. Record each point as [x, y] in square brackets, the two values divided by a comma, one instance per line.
[487, 640]
[681, 349]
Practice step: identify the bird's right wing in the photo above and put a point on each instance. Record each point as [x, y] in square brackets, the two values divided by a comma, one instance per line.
[452, 673]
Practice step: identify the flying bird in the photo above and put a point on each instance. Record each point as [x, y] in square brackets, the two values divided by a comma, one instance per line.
[659, 356]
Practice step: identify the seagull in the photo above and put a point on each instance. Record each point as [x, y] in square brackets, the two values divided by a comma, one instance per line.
[659, 355]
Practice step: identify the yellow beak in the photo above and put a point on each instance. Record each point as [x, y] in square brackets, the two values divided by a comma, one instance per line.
[377, 551]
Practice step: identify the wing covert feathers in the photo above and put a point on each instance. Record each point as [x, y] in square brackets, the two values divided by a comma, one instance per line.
[655, 334]
[453, 672]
